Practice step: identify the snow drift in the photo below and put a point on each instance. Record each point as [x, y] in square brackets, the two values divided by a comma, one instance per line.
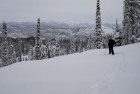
[90, 72]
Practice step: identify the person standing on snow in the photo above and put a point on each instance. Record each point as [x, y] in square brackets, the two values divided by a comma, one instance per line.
[110, 45]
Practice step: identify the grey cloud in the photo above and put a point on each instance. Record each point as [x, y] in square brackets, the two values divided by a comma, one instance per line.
[60, 10]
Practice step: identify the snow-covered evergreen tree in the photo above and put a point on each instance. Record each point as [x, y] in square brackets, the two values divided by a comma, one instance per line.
[139, 28]
[126, 23]
[14, 55]
[72, 47]
[43, 52]
[90, 44]
[20, 51]
[136, 15]
[99, 38]
[51, 50]
[31, 53]
[117, 35]
[130, 22]
[4, 54]
[11, 54]
[80, 47]
[38, 42]
[57, 52]
[117, 30]
[47, 49]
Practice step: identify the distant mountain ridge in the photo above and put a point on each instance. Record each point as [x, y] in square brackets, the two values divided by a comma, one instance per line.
[54, 29]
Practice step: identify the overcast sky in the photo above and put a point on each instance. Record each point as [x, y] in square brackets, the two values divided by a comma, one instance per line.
[60, 10]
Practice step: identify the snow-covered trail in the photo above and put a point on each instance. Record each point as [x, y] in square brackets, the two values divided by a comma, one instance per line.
[89, 72]
[127, 82]
[104, 82]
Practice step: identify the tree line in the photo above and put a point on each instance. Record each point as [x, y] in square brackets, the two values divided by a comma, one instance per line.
[34, 48]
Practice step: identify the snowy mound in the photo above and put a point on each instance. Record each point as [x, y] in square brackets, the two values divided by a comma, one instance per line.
[91, 72]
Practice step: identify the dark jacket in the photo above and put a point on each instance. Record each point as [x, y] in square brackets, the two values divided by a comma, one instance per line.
[111, 42]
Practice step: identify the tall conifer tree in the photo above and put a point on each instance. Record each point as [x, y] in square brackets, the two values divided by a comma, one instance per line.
[38, 42]
[130, 22]
[4, 54]
[117, 26]
[99, 38]
[72, 47]
[117, 30]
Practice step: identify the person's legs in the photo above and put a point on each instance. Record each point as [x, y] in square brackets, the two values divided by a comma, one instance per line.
[112, 50]
[109, 50]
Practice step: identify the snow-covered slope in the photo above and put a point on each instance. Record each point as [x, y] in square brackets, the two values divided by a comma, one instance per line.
[90, 72]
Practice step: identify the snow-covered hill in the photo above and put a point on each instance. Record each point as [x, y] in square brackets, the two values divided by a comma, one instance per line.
[90, 72]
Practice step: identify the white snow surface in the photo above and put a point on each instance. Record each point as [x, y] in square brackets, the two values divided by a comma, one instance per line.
[90, 72]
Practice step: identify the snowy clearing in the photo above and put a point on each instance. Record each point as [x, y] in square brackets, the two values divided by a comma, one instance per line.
[90, 72]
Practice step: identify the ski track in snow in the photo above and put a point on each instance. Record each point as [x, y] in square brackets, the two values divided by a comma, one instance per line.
[104, 82]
